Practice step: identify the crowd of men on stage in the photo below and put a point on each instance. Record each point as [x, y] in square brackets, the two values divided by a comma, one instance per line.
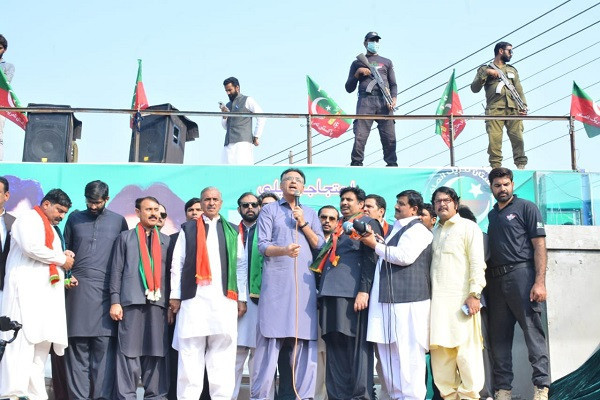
[125, 305]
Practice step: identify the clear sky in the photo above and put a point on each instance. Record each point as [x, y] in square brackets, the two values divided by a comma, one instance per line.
[84, 54]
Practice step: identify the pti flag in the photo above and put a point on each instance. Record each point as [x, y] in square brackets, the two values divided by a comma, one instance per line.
[139, 101]
[8, 98]
[320, 103]
[449, 105]
[585, 110]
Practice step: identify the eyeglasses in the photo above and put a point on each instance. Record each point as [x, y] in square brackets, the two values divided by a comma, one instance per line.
[293, 179]
[447, 200]
[248, 205]
[325, 218]
[163, 215]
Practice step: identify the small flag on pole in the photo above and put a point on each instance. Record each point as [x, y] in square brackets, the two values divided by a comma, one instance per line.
[449, 105]
[8, 98]
[139, 101]
[584, 109]
[320, 103]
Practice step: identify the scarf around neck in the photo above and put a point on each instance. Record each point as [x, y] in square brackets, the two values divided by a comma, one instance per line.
[48, 240]
[150, 262]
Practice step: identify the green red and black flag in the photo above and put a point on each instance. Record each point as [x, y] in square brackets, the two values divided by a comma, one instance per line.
[8, 98]
[139, 101]
[320, 103]
[585, 110]
[449, 105]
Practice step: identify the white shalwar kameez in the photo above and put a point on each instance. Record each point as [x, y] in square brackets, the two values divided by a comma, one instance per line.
[33, 301]
[206, 325]
[401, 330]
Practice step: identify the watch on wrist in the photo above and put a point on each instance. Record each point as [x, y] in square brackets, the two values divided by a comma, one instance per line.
[475, 295]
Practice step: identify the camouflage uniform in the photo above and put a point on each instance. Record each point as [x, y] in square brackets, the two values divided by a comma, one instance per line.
[501, 103]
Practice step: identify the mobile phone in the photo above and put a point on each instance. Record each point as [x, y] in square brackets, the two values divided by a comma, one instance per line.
[465, 309]
[220, 104]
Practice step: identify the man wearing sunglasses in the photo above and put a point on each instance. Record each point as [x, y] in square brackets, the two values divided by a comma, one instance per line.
[90, 357]
[502, 100]
[249, 208]
[329, 217]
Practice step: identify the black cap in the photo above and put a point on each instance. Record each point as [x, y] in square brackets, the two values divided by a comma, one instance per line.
[372, 35]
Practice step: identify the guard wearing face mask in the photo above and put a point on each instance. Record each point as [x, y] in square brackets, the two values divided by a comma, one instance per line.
[371, 101]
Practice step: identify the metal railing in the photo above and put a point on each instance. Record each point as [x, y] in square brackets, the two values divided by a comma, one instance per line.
[310, 117]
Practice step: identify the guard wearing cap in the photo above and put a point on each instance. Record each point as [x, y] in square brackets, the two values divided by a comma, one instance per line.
[371, 101]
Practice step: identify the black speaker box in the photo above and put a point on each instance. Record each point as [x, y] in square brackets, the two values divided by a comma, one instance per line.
[162, 138]
[49, 136]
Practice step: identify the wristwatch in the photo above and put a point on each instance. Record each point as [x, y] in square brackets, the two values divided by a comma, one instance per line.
[475, 295]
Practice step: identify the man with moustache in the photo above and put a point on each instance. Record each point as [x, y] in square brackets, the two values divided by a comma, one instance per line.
[287, 235]
[90, 357]
[457, 279]
[249, 208]
[375, 206]
[400, 300]
[208, 294]
[6, 221]
[34, 296]
[137, 295]
[329, 217]
[500, 101]
[347, 275]
[239, 137]
[516, 284]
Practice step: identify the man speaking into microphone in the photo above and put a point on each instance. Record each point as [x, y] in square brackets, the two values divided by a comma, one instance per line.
[347, 268]
[287, 311]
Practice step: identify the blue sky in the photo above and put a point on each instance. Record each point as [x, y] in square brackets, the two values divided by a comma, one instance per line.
[84, 54]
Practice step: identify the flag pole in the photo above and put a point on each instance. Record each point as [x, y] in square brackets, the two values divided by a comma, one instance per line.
[136, 128]
[451, 132]
[572, 137]
[308, 139]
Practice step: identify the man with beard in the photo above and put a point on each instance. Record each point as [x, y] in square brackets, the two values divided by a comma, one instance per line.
[347, 272]
[90, 357]
[500, 101]
[287, 235]
[371, 101]
[137, 295]
[34, 296]
[208, 294]
[239, 137]
[329, 217]
[516, 284]
[248, 207]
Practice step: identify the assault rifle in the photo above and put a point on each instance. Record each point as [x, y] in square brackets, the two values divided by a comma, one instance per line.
[511, 88]
[378, 80]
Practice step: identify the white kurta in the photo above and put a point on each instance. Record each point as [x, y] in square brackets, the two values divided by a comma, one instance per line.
[28, 295]
[209, 312]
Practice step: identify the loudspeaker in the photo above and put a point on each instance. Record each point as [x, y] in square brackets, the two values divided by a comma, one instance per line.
[162, 138]
[49, 137]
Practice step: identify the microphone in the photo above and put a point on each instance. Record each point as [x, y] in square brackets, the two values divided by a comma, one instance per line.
[361, 227]
[297, 198]
[348, 228]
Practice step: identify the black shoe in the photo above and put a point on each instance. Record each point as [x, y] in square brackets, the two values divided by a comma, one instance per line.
[356, 164]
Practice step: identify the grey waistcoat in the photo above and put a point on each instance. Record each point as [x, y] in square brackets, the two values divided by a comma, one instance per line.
[405, 284]
[239, 129]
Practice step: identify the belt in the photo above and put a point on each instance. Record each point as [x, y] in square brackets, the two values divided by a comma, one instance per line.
[495, 272]
[373, 93]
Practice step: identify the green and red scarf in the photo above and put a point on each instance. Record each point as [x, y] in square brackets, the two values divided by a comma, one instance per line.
[255, 264]
[203, 274]
[328, 252]
[150, 262]
[49, 239]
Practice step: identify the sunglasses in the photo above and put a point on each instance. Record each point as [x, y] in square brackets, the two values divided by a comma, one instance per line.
[248, 205]
[163, 215]
[325, 218]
